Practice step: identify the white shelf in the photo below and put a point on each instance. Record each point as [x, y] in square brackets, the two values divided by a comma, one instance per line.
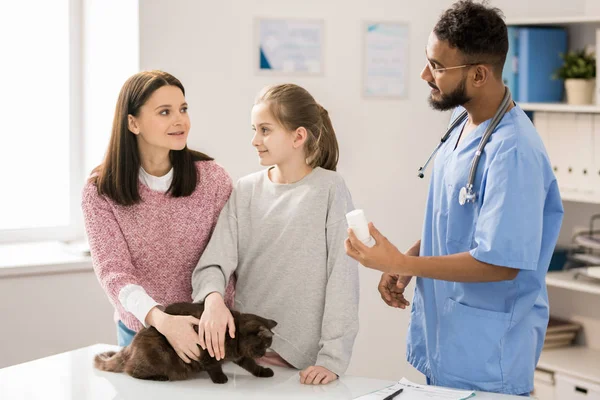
[555, 20]
[560, 107]
[566, 280]
[580, 362]
[580, 197]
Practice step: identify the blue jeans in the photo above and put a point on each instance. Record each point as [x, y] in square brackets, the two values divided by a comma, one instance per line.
[124, 334]
[524, 394]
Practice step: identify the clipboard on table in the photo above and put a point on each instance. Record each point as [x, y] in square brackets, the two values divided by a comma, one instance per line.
[414, 391]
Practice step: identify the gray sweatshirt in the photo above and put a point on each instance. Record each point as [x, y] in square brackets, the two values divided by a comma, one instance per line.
[285, 242]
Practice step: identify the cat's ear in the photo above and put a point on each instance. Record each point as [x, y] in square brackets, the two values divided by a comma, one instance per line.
[264, 333]
[269, 323]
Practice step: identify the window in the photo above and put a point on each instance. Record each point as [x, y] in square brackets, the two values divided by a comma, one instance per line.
[40, 146]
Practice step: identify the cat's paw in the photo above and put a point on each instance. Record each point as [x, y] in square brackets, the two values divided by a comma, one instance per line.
[220, 379]
[265, 373]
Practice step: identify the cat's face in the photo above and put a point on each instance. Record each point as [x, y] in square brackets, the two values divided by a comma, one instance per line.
[255, 335]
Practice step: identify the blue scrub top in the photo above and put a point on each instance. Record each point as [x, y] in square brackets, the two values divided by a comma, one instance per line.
[488, 336]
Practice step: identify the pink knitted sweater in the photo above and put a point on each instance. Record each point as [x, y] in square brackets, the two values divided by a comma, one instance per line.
[156, 243]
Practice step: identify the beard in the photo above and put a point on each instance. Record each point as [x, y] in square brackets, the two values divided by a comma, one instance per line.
[457, 97]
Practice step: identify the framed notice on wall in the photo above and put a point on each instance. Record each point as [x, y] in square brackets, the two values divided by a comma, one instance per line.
[290, 46]
[385, 60]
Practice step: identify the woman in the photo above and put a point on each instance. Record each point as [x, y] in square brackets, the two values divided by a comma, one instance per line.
[150, 209]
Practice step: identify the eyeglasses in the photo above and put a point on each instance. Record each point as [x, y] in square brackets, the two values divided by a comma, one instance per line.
[435, 71]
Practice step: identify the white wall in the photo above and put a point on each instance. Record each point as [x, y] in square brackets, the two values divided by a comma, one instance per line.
[209, 46]
[42, 315]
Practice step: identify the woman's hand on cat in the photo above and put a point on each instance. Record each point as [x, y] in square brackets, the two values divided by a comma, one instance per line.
[214, 322]
[317, 375]
[179, 331]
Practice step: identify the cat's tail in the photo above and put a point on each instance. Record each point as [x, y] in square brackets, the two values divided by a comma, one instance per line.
[111, 361]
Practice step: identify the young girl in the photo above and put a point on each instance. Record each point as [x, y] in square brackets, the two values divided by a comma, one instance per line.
[150, 208]
[282, 232]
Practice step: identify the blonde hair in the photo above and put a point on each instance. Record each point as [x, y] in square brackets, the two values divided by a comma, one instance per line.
[294, 107]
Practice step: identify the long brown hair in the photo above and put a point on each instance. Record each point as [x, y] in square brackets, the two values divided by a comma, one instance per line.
[117, 176]
[294, 107]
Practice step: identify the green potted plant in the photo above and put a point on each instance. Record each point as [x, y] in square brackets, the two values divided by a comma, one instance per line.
[579, 73]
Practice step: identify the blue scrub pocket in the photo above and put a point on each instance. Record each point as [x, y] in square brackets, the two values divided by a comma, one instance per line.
[471, 341]
[460, 224]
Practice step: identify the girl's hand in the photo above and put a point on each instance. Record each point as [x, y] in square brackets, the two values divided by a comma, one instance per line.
[214, 322]
[317, 375]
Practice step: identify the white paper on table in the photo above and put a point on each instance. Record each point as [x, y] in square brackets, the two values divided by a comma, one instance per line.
[415, 391]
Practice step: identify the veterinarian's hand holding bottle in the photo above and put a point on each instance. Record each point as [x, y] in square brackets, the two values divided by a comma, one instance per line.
[179, 331]
[213, 325]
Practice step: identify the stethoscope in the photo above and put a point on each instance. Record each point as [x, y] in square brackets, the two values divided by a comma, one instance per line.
[466, 194]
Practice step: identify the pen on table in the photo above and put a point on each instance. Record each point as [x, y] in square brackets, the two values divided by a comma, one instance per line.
[396, 393]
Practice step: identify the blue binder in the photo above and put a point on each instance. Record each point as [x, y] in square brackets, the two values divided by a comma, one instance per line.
[539, 50]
